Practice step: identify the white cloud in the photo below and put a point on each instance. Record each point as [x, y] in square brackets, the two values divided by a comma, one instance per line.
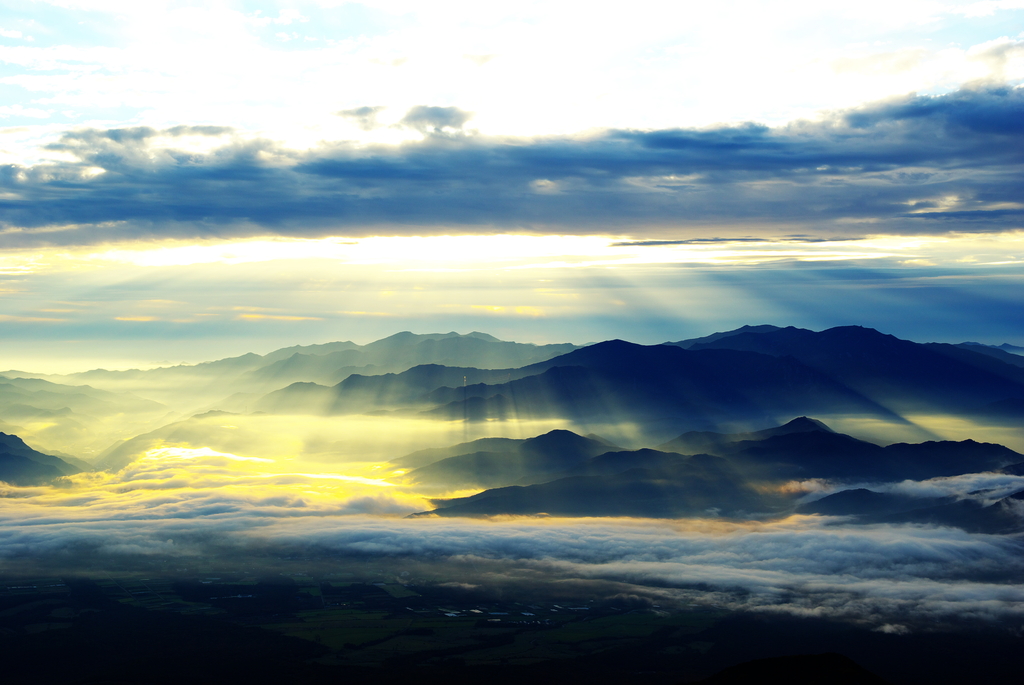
[559, 68]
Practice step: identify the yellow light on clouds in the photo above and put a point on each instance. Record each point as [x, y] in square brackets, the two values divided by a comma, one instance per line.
[517, 252]
[166, 453]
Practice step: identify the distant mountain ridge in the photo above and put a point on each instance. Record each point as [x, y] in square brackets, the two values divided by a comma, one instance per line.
[613, 380]
[72, 416]
[883, 368]
[756, 374]
[1005, 347]
[324, 363]
[734, 380]
[753, 374]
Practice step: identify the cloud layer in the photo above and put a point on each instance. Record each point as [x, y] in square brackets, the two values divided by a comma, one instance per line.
[185, 505]
[915, 165]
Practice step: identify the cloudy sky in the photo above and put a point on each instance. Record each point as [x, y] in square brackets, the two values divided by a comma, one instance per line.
[183, 181]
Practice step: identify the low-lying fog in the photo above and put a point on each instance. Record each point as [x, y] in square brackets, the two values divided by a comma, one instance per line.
[247, 494]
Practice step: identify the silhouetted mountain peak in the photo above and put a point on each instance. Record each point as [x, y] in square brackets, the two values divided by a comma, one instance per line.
[405, 338]
[701, 441]
[686, 344]
[801, 424]
[482, 336]
[12, 443]
[607, 350]
[559, 439]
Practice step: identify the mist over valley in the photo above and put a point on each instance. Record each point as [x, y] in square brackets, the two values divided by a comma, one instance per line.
[844, 476]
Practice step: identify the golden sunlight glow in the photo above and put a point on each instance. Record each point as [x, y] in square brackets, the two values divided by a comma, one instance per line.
[348, 479]
[162, 453]
[509, 251]
[277, 317]
[304, 291]
[176, 479]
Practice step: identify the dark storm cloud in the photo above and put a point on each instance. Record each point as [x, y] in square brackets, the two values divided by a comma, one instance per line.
[918, 164]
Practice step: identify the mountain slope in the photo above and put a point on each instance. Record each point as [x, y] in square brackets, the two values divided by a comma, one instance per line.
[22, 465]
[806, 448]
[527, 461]
[191, 386]
[617, 380]
[757, 373]
[739, 480]
[701, 485]
[889, 371]
[693, 442]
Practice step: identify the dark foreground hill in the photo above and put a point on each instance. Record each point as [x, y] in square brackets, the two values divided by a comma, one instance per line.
[22, 465]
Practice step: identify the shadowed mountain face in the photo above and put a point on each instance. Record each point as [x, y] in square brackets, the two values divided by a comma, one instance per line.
[890, 371]
[615, 380]
[808, 448]
[510, 461]
[22, 465]
[662, 380]
[1011, 354]
[693, 442]
[730, 481]
[994, 352]
[1003, 516]
[864, 502]
[658, 485]
[972, 515]
[358, 393]
[687, 344]
[756, 373]
[825, 455]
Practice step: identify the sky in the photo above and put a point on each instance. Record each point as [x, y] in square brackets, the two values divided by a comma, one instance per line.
[187, 181]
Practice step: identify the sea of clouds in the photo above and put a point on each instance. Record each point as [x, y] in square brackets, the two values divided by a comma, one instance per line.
[181, 507]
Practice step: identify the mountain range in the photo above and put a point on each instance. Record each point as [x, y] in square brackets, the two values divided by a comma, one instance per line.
[756, 374]
[732, 475]
[751, 377]
[326, 363]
